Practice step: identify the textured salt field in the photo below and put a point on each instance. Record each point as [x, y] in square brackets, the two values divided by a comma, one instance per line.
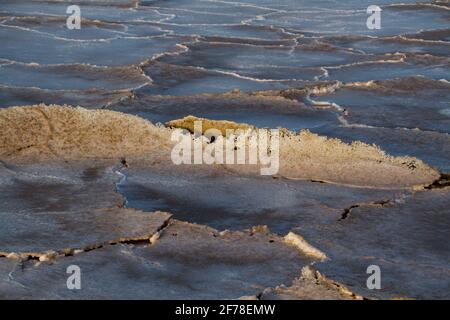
[98, 189]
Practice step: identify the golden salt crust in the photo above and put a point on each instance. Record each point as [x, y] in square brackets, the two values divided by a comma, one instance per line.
[41, 132]
[308, 156]
[222, 125]
[74, 133]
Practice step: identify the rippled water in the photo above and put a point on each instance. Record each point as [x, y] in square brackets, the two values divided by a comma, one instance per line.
[167, 59]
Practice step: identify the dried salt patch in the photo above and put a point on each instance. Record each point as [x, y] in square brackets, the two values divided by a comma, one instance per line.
[48, 256]
[301, 244]
[13, 256]
[155, 237]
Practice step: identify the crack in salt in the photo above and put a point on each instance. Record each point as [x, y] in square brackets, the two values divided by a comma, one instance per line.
[375, 204]
[50, 255]
[441, 183]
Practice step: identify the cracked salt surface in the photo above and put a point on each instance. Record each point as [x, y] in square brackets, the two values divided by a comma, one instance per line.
[255, 62]
[405, 240]
[39, 215]
[78, 211]
[237, 202]
[187, 261]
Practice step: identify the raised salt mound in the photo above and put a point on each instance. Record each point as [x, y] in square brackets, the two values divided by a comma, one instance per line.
[76, 133]
[41, 132]
[308, 156]
[305, 155]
